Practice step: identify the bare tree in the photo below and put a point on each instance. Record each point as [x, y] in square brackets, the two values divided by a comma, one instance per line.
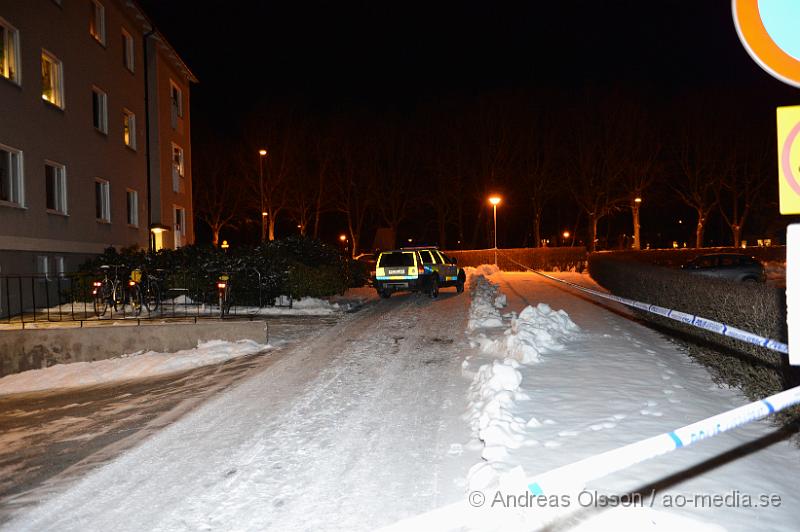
[740, 186]
[354, 175]
[641, 144]
[702, 160]
[396, 179]
[218, 194]
[599, 161]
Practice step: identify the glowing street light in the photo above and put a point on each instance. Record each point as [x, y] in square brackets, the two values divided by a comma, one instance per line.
[343, 238]
[637, 202]
[495, 200]
[261, 155]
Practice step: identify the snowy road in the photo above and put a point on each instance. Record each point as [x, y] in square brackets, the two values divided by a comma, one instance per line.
[48, 439]
[376, 419]
[349, 431]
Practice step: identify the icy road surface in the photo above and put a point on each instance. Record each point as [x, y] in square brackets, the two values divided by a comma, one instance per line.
[410, 404]
[351, 432]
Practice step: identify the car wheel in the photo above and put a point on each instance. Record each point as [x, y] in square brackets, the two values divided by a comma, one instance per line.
[434, 291]
[459, 286]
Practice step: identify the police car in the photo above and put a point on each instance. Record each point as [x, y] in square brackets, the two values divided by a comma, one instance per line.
[416, 269]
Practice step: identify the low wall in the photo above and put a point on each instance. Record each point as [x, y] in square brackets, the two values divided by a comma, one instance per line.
[21, 350]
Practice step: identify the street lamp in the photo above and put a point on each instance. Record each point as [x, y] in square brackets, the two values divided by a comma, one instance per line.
[637, 202]
[495, 200]
[261, 155]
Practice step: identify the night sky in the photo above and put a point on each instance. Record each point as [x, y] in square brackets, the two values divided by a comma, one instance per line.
[328, 57]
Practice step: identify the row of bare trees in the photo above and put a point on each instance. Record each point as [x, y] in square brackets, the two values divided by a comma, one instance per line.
[432, 169]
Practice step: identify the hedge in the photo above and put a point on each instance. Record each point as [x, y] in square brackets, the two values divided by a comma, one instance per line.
[546, 259]
[299, 266]
[754, 307]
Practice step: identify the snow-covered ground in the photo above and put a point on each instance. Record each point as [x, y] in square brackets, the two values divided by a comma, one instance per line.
[411, 409]
[126, 367]
[594, 381]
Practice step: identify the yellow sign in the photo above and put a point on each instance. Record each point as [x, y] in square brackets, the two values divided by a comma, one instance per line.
[789, 159]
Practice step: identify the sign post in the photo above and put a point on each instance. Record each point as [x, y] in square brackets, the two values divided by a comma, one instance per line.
[768, 31]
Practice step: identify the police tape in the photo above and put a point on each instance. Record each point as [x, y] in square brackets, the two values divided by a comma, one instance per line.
[689, 319]
[577, 474]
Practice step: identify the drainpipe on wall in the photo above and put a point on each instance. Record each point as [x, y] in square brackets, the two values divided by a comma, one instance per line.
[147, 137]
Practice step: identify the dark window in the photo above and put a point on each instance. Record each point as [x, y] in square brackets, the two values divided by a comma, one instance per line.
[398, 259]
[98, 200]
[50, 186]
[426, 257]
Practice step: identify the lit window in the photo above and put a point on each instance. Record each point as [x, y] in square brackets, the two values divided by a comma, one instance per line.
[55, 177]
[52, 79]
[177, 167]
[97, 21]
[9, 51]
[102, 200]
[12, 188]
[180, 226]
[176, 100]
[133, 208]
[127, 50]
[100, 110]
[129, 128]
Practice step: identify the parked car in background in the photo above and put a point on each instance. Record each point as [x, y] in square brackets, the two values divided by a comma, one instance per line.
[729, 266]
[367, 262]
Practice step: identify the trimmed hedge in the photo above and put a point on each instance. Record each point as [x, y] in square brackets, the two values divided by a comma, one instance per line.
[754, 307]
[564, 259]
[675, 258]
[299, 266]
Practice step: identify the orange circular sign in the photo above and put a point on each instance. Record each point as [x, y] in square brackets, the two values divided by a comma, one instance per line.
[749, 17]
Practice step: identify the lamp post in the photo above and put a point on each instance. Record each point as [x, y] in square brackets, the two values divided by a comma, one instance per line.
[261, 154]
[635, 204]
[495, 200]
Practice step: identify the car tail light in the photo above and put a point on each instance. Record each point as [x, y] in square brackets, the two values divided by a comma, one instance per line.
[131, 283]
[97, 283]
[221, 285]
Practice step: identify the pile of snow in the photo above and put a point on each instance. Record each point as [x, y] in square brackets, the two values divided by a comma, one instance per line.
[486, 300]
[483, 269]
[127, 367]
[495, 388]
[492, 395]
[538, 329]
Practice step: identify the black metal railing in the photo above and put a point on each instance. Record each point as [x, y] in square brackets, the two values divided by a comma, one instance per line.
[112, 294]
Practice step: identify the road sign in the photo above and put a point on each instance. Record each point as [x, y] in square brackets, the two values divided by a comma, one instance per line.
[768, 31]
[789, 159]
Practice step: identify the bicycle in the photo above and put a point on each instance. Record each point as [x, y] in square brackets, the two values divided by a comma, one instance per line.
[108, 291]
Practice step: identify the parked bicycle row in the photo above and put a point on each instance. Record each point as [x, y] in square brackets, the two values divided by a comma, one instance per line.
[117, 292]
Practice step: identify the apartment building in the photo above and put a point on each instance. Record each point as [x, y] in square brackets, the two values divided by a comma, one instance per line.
[94, 134]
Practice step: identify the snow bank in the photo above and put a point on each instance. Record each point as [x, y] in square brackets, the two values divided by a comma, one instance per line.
[486, 300]
[492, 396]
[495, 388]
[538, 329]
[483, 269]
[127, 367]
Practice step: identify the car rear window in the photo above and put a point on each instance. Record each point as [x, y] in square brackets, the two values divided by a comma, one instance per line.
[396, 259]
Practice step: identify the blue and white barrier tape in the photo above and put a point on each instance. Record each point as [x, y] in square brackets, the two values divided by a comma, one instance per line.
[689, 319]
[600, 465]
